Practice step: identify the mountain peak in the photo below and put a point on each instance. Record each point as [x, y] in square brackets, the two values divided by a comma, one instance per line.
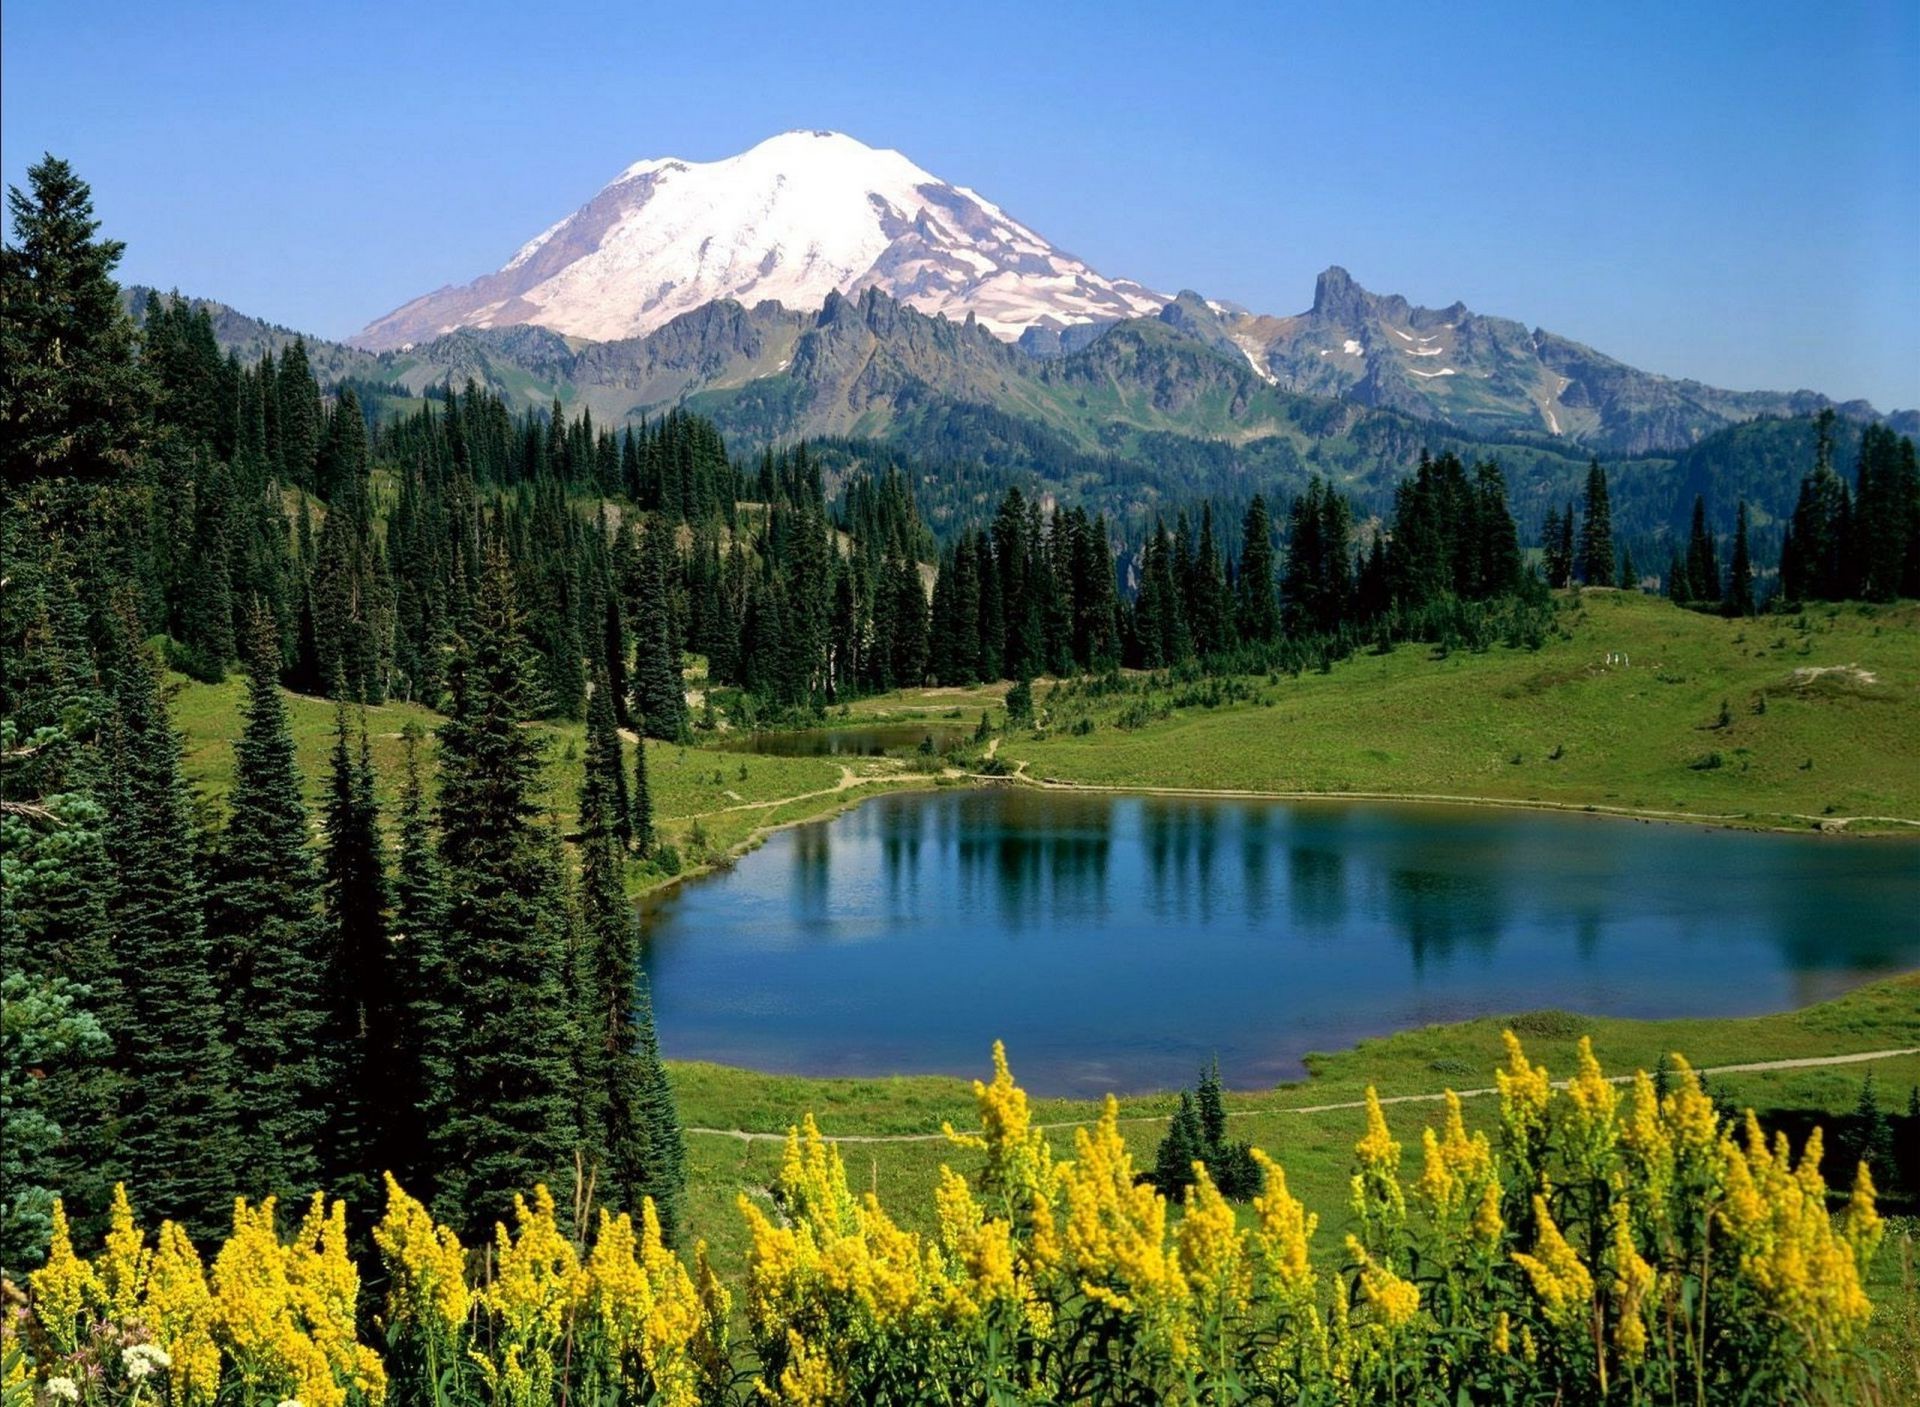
[802, 214]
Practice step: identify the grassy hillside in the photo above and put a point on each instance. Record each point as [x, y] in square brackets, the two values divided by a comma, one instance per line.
[1623, 711]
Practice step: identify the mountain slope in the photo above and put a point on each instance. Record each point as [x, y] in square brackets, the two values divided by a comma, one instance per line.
[799, 216]
[1491, 375]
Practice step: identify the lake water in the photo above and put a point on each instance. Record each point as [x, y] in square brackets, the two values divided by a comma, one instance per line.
[873, 740]
[1116, 942]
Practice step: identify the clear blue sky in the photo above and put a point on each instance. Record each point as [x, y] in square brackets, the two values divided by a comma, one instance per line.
[1726, 191]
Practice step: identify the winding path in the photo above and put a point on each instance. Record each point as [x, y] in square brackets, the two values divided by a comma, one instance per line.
[1750, 1067]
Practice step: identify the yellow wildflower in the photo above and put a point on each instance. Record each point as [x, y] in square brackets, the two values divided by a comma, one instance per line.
[1590, 1126]
[179, 1313]
[1633, 1283]
[536, 1273]
[1502, 1334]
[1212, 1256]
[1525, 1091]
[64, 1288]
[1863, 1226]
[808, 1379]
[1375, 1195]
[1395, 1301]
[1457, 1178]
[1282, 1232]
[1805, 1270]
[426, 1266]
[1019, 1160]
[1564, 1285]
[980, 1250]
[122, 1267]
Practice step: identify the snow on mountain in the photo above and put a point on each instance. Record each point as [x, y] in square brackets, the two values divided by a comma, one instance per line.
[798, 216]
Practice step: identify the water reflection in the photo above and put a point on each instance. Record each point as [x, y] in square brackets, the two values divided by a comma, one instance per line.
[1115, 941]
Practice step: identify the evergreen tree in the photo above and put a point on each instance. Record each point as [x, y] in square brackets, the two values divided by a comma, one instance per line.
[509, 1121]
[1703, 562]
[1629, 576]
[429, 1025]
[264, 910]
[1258, 614]
[1182, 1147]
[73, 394]
[659, 696]
[368, 1105]
[1596, 530]
[1739, 598]
[606, 769]
[631, 1119]
[640, 806]
[177, 1128]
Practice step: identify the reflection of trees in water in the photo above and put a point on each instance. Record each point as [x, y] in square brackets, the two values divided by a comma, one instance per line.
[1034, 863]
[1256, 834]
[1181, 838]
[1316, 886]
[812, 869]
[900, 839]
[1438, 913]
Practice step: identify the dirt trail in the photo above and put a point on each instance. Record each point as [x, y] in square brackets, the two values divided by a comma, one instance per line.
[1805, 1062]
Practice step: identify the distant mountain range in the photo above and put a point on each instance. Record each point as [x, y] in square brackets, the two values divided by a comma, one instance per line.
[816, 287]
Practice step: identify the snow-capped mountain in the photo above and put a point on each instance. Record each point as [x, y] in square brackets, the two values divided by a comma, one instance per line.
[799, 216]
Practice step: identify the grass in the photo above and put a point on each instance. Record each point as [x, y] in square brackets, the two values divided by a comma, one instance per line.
[1622, 711]
[731, 798]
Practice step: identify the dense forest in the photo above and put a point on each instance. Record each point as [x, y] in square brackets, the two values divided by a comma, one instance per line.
[212, 1004]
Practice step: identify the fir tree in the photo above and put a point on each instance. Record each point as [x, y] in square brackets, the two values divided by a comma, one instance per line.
[606, 769]
[1258, 614]
[1182, 1147]
[264, 909]
[1703, 562]
[630, 1115]
[73, 394]
[427, 1039]
[1739, 598]
[640, 805]
[177, 1127]
[509, 1121]
[367, 1106]
[1596, 530]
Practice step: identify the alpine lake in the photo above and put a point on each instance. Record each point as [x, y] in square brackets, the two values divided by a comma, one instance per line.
[1117, 942]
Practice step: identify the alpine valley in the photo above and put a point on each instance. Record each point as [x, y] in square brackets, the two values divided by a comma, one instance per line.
[815, 287]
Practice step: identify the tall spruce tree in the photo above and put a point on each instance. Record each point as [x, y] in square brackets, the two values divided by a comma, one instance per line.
[427, 1040]
[264, 910]
[365, 1107]
[73, 393]
[1703, 560]
[606, 769]
[1258, 614]
[1739, 598]
[1596, 530]
[178, 1133]
[509, 1120]
[630, 1117]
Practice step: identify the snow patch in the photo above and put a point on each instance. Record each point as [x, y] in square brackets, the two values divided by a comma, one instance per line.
[1352, 348]
[1429, 375]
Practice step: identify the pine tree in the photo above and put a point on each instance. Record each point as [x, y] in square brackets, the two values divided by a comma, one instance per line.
[630, 1116]
[1183, 1146]
[177, 1127]
[606, 768]
[659, 696]
[264, 910]
[427, 1041]
[1629, 576]
[1739, 598]
[509, 1121]
[1596, 530]
[366, 1106]
[640, 805]
[73, 393]
[1703, 562]
[1258, 614]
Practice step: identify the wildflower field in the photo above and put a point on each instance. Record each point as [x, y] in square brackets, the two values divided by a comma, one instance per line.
[1607, 1242]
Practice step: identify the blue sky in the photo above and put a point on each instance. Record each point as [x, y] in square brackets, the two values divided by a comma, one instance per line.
[1728, 191]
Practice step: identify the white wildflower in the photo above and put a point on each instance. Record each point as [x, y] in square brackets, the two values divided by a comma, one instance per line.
[144, 1359]
[63, 1389]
